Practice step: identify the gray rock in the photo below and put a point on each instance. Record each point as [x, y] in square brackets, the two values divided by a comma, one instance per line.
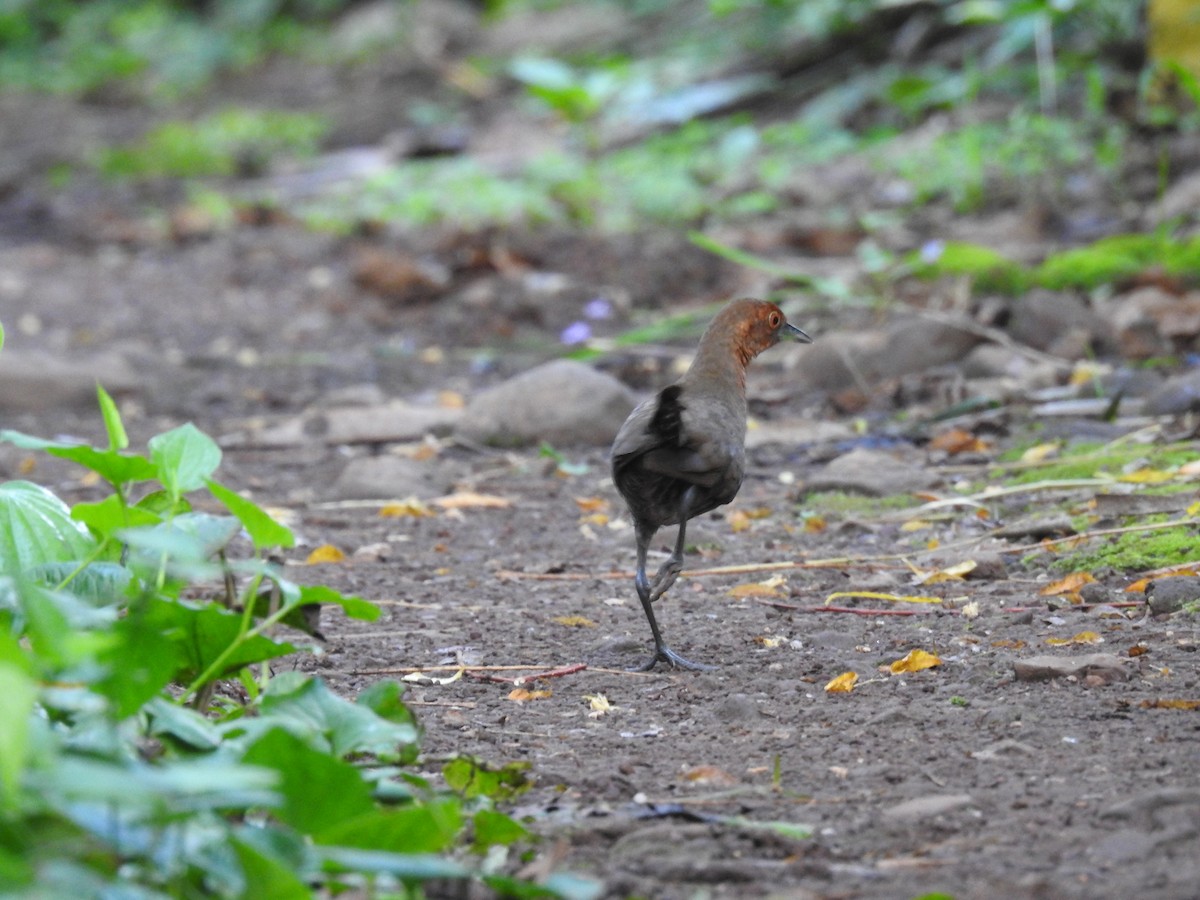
[796, 433]
[914, 345]
[390, 423]
[1168, 595]
[1044, 668]
[1178, 394]
[871, 472]
[921, 809]
[1057, 323]
[561, 402]
[837, 360]
[31, 380]
[385, 478]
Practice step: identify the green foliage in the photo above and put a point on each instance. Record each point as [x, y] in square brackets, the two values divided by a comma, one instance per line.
[231, 142]
[118, 776]
[1138, 551]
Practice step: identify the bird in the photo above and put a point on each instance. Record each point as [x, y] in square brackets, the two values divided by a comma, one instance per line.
[682, 452]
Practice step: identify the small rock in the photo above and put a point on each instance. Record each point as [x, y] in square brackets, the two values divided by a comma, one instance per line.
[837, 361]
[390, 423]
[32, 380]
[988, 567]
[1045, 668]
[1178, 394]
[1123, 846]
[797, 433]
[385, 478]
[562, 402]
[1004, 749]
[914, 345]
[871, 472]
[1095, 592]
[1059, 323]
[1037, 527]
[1168, 595]
[922, 809]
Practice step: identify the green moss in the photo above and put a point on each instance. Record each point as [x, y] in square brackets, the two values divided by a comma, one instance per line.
[1135, 552]
[854, 505]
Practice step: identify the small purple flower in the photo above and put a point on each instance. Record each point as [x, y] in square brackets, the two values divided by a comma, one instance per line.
[576, 333]
[598, 308]
[931, 251]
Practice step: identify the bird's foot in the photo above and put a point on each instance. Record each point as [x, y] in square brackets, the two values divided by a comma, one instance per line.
[664, 578]
[665, 654]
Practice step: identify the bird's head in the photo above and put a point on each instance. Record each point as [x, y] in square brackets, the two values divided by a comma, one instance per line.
[761, 324]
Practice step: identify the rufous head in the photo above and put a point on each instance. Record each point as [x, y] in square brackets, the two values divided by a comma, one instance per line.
[756, 325]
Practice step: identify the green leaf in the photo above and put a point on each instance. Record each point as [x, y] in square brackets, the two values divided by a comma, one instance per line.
[408, 866]
[185, 545]
[386, 700]
[427, 828]
[109, 514]
[36, 528]
[307, 708]
[203, 634]
[267, 878]
[264, 531]
[117, 438]
[18, 692]
[114, 467]
[185, 458]
[342, 793]
[354, 607]
[185, 725]
[475, 778]
[493, 828]
[98, 583]
[142, 660]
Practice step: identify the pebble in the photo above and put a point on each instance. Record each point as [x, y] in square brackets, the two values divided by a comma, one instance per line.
[385, 478]
[871, 472]
[1046, 668]
[921, 809]
[31, 380]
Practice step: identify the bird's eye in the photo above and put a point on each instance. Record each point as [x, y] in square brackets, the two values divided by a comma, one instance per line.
[774, 320]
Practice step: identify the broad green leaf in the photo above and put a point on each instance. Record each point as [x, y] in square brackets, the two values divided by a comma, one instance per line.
[142, 660]
[185, 725]
[560, 885]
[307, 708]
[202, 634]
[18, 691]
[114, 467]
[342, 793]
[117, 438]
[185, 457]
[493, 828]
[267, 878]
[185, 545]
[36, 528]
[475, 778]
[386, 699]
[409, 866]
[109, 514]
[427, 828]
[354, 607]
[98, 583]
[263, 530]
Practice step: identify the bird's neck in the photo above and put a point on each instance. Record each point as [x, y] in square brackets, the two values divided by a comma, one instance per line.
[720, 366]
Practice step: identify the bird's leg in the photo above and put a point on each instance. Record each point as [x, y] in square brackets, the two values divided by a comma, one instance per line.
[661, 650]
[669, 570]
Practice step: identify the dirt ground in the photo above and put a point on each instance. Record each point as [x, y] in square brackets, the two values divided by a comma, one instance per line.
[961, 779]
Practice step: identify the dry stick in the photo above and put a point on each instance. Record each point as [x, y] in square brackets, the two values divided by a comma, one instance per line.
[526, 679]
[397, 670]
[792, 607]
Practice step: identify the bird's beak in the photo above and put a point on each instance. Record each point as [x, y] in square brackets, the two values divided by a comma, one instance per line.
[790, 330]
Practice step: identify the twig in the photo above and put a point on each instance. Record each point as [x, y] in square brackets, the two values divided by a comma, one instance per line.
[1119, 604]
[792, 607]
[1100, 532]
[404, 670]
[525, 679]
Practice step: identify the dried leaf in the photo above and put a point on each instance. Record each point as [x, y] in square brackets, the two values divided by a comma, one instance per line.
[915, 661]
[326, 553]
[599, 704]
[814, 525]
[523, 694]
[1008, 644]
[1171, 704]
[591, 504]
[1146, 476]
[843, 684]
[472, 500]
[450, 400]
[1040, 453]
[916, 525]
[956, 572]
[770, 642]
[768, 588]
[574, 621]
[408, 507]
[1141, 648]
[739, 521]
[956, 441]
[1084, 637]
[875, 595]
[710, 775]
[1139, 586]
[1068, 585]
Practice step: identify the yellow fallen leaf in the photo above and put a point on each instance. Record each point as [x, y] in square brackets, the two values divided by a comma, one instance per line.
[1068, 585]
[915, 661]
[1171, 704]
[591, 504]
[768, 588]
[472, 500]
[326, 553]
[1009, 644]
[1084, 637]
[1139, 586]
[1194, 509]
[814, 525]
[523, 694]
[408, 507]
[27, 466]
[1040, 453]
[875, 595]
[739, 521]
[710, 775]
[598, 519]
[956, 572]
[599, 704]
[1146, 476]
[574, 621]
[450, 400]
[770, 642]
[843, 684]
[916, 525]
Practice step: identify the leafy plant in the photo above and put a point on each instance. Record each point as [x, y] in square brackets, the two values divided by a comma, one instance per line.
[231, 142]
[147, 750]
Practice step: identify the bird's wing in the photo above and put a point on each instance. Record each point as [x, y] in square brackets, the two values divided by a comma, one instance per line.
[656, 436]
